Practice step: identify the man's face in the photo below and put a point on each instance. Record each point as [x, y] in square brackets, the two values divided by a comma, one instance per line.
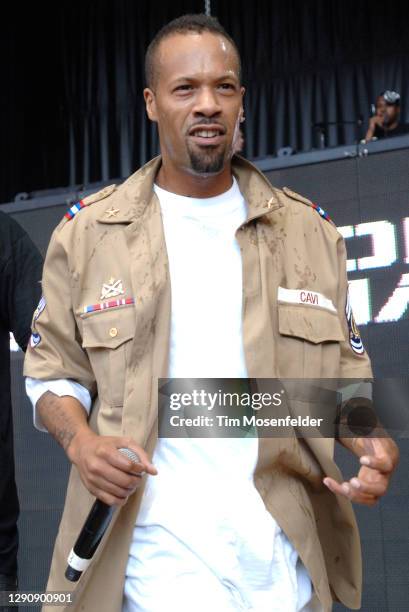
[196, 101]
[388, 112]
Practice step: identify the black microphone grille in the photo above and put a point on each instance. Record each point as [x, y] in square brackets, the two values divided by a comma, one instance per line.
[130, 454]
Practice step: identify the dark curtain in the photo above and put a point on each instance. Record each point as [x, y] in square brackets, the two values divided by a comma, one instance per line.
[72, 109]
[316, 61]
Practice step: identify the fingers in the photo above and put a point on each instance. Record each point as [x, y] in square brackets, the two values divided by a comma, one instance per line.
[107, 473]
[99, 472]
[356, 491]
[111, 455]
[110, 493]
[144, 464]
[100, 477]
[376, 489]
[335, 487]
[379, 454]
[381, 464]
[107, 450]
[108, 498]
[377, 465]
[347, 490]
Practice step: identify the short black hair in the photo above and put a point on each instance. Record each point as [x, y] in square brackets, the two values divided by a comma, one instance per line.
[184, 25]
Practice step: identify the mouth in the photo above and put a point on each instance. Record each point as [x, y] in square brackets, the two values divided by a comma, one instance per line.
[207, 135]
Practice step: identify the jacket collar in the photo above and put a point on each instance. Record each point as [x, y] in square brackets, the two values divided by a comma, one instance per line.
[133, 196]
[261, 197]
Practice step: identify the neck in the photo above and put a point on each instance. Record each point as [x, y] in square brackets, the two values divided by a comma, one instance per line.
[194, 185]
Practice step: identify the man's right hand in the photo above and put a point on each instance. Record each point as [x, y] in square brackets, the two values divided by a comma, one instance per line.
[107, 473]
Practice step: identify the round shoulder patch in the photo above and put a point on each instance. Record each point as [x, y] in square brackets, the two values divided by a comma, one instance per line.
[35, 339]
[355, 340]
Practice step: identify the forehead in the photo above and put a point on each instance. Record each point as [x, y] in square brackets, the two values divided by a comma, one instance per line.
[195, 55]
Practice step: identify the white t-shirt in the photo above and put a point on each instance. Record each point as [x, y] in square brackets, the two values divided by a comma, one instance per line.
[203, 538]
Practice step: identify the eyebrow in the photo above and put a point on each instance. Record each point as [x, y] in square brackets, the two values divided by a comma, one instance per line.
[192, 79]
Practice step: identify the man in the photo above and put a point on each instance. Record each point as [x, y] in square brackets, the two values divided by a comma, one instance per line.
[224, 525]
[385, 122]
[20, 275]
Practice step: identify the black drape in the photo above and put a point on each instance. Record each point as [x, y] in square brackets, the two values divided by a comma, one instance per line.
[72, 110]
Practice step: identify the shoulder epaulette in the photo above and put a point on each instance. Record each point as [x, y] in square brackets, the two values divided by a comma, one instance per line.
[300, 198]
[94, 197]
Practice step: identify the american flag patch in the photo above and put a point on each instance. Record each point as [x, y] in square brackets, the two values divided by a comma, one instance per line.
[71, 212]
[110, 304]
[322, 212]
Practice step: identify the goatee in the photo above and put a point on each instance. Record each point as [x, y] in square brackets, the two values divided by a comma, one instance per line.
[207, 162]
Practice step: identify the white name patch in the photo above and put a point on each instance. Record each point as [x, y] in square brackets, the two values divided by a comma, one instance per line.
[304, 296]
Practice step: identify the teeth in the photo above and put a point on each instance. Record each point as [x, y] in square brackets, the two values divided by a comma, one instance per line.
[206, 133]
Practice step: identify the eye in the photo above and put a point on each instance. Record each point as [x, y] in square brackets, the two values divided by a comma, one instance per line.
[183, 88]
[227, 86]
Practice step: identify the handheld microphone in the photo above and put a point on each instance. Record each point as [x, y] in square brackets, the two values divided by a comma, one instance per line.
[92, 532]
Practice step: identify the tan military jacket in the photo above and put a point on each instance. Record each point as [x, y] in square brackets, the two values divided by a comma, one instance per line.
[120, 352]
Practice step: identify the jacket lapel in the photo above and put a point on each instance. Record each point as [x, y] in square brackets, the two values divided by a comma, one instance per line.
[149, 271]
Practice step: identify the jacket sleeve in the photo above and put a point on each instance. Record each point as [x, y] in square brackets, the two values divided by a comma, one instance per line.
[355, 362]
[36, 388]
[55, 350]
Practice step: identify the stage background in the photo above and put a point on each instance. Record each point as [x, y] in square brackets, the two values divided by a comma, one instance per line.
[72, 109]
[355, 190]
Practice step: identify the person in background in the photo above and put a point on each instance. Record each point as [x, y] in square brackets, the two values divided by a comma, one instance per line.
[20, 290]
[386, 120]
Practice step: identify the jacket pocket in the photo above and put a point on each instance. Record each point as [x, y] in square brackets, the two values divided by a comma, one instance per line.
[312, 324]
[310, 340]
[107, 336]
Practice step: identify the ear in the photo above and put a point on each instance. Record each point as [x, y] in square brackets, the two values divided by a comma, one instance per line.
[242, 91]
[150, 103]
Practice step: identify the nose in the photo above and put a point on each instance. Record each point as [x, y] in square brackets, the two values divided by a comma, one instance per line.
[207, 103]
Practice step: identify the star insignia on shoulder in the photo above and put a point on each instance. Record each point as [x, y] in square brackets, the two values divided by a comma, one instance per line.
[111, 212]
[94, 197]
[300, 198]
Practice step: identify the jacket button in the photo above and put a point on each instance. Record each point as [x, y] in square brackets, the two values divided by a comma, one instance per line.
[113, 332]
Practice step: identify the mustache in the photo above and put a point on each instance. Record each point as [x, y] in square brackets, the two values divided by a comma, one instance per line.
[207, 121]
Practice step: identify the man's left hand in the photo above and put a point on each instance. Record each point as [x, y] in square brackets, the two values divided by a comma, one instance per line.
[379, 458]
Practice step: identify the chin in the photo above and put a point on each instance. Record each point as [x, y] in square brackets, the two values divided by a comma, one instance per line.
[208, 164]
